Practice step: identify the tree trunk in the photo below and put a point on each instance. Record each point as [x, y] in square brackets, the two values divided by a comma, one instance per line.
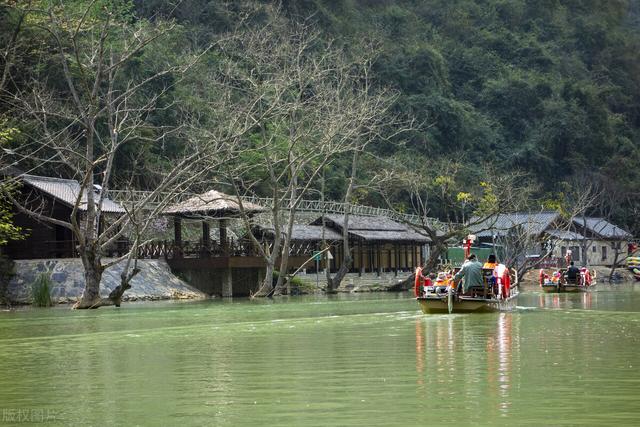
[430, 266]
[616, 261]
[434, 256]
[266, 289]
[333, 284]
[92, 276]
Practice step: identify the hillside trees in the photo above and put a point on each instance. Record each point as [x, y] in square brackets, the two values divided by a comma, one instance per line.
[550, 88]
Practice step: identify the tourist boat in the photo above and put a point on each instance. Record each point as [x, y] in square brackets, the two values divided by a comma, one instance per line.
[550, 284]
[633, 264]
[439, 296]
[559, 282]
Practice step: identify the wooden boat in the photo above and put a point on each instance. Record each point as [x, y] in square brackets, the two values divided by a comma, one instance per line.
[559, 282]
[550, 284]
[492, 296]
[633, 264]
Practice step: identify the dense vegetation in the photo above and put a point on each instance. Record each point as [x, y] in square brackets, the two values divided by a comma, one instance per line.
[548, 87]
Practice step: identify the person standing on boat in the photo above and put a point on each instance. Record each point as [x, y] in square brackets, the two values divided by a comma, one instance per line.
[567, 257]
[572, 273]
[471, 272]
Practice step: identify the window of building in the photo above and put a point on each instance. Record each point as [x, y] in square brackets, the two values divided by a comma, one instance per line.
[604, 253]
[594, 249]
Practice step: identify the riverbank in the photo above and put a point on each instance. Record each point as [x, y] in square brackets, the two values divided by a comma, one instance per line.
[155, 281]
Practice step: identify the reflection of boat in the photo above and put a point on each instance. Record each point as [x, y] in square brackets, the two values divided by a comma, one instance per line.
[499, 291]
[558, 281]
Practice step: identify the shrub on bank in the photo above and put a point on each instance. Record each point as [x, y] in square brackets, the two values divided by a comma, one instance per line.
[297, 285]
[41, 291]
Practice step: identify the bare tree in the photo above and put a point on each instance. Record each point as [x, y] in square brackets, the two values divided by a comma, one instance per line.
[464, 207]
[306, 101]
[83, 127]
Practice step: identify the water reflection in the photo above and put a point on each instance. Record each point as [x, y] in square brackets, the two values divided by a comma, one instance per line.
[479, 350]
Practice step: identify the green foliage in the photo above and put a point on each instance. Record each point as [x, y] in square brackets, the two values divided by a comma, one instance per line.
[8, 231]
[298, 286]
[7, 271]
[41, 291]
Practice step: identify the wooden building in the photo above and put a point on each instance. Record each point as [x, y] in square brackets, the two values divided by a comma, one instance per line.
[54, 198]
[592, 241]
[377, 244]
[604, 242]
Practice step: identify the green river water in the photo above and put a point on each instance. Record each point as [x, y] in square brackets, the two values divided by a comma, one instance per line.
[356, 360]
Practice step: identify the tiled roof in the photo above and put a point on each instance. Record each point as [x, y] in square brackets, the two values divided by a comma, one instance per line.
[67, 191]
[602, 227]
[565, 234]
[212, 203]
[374, 228]
[532, 223]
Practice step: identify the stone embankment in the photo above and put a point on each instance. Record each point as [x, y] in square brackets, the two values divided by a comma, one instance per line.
[155, 281]
[352, 282]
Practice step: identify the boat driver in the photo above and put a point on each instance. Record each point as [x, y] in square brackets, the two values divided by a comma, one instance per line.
[471, 272]
[572, 273]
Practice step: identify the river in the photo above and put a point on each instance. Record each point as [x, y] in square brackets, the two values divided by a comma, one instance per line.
[348, 360]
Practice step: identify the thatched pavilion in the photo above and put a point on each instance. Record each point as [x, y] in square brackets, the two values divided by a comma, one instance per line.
[220, 267]
[210, 206]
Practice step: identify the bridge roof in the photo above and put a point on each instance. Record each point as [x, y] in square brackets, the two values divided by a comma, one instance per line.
[374, 228]
[213, 203]
[310, 233]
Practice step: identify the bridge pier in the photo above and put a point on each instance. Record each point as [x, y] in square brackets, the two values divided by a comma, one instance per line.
[227, 283]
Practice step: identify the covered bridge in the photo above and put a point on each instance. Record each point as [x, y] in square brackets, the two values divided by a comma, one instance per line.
[377, 243]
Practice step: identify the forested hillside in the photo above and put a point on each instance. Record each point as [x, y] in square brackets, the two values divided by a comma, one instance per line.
[550, 88]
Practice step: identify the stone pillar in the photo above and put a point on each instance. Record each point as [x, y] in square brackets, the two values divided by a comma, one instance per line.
[227, 283]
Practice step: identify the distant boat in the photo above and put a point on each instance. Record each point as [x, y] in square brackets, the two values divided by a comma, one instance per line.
[558, 281]
[633, 264]
[497, 293]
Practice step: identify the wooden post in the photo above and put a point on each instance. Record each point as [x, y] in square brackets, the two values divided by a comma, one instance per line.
[206, 239]
[395, 260]
[361, 245]
[224, 242]
[413, 255]
[378, 250]
[177, 236]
